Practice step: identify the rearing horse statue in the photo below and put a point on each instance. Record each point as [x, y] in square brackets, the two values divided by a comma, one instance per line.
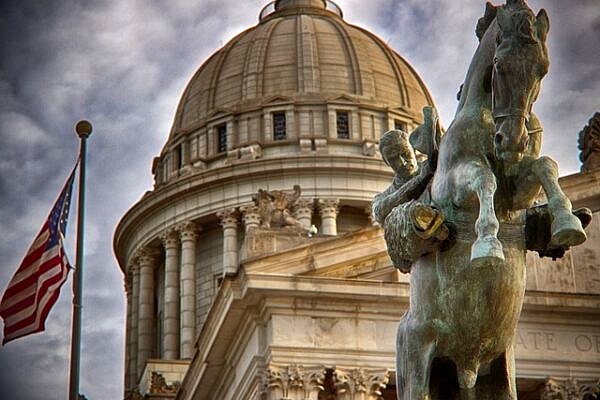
[456, 339]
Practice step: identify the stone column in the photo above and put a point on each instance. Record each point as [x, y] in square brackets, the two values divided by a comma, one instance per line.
[251, 217]
[189, 235]
[146, 318]
[329, 209]
[303, 211]
[135, 300]
[229, 222]
[170, 339]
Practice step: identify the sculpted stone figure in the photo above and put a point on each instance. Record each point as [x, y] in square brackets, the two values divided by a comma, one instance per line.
[456, 339]
[275, 208]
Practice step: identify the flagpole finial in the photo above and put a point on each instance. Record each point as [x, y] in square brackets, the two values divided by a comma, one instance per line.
[83, 129]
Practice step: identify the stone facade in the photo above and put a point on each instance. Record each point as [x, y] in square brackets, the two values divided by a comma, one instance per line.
[220, 308]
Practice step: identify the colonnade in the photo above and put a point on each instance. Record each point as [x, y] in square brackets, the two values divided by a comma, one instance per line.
[179, 300]
[178, 253]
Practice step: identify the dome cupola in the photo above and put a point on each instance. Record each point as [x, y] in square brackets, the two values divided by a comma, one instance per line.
[287, 4]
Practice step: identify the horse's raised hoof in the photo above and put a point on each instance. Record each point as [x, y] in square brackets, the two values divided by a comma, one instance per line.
[486, 250]
[567, 231]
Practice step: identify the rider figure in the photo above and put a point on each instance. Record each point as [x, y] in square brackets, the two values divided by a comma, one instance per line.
[412, 227]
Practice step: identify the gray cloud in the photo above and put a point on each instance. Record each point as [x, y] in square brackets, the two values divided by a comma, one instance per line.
[123, 65]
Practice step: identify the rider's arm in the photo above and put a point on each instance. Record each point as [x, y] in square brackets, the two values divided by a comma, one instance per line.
[398, 194]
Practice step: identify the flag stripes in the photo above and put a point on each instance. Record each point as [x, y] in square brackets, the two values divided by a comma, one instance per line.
[36, 284]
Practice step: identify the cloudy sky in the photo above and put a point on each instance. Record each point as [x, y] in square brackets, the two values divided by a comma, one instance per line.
[123, 64]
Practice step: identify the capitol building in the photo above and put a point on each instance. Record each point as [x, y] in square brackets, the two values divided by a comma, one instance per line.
[223, 305]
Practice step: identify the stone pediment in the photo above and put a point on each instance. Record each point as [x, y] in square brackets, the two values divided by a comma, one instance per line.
[343, 99]
[361, 254]
[278, 100]
[219, 112]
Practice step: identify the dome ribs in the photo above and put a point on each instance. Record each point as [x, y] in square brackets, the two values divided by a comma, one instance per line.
[249, 72]
[261, 57]
[308, 56]
[279, 71]
[335, 64]
[351, 55]
[307, 62]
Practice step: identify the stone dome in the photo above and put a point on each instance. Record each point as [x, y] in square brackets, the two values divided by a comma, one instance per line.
[301, 98]
[300, 50]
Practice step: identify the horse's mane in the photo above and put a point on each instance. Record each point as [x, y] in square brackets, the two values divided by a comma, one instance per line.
[518, 8]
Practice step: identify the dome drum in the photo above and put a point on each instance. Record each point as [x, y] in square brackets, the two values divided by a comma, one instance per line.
[343, 124]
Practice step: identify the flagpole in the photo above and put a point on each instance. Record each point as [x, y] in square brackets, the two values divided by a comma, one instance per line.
[83, 130]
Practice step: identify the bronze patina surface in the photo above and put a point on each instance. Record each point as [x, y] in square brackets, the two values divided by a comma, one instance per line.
[480, 179]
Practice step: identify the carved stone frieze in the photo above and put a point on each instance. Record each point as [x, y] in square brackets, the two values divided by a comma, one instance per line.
[158, 385]
[570, 389]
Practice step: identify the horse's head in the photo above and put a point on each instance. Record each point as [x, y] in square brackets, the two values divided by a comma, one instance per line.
[520, 63]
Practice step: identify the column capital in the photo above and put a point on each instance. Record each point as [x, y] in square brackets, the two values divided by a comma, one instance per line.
[189, 231]
[250, 215]
[170, 238]
[304, 206]
[147, 256]
[357, 380]
[250, 208]
[229, 218]
[293, 381]
[570, 388]
[133, 265]
[329, 208]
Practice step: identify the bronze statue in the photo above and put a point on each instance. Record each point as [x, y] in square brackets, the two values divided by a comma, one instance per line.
[412, 227]
[456, 339]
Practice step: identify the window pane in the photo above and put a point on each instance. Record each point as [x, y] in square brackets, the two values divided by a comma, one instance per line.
[179, 156]
[343, 129]
[279, 126]
[222, 138]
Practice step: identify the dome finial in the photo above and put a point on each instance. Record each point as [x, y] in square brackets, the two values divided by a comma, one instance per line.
[284, 4]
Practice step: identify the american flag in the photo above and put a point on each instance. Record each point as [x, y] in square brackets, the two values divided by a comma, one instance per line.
[35, 286]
